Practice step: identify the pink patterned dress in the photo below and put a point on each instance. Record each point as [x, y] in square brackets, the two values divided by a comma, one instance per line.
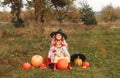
[56, 53]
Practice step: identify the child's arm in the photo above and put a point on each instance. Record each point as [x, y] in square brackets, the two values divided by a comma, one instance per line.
[50, 52]
[66, 51]
[64, 42]
[53, 42]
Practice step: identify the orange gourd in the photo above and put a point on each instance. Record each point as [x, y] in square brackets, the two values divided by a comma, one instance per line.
[37, 60]
[26, 66]
[43, 66]
[78, 62]
[62, 64]
[85, 64]
[32, 67]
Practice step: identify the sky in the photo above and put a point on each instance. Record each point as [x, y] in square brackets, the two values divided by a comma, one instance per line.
[96, 5]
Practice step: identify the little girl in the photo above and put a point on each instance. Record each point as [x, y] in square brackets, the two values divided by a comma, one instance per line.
[58, 48]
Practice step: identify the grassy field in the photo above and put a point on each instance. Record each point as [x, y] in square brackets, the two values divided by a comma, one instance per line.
[100, 45]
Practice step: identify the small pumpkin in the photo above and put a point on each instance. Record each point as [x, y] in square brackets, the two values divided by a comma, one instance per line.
[37, 60]
[32, 67]
[85, 64]
[43, 66]
[78, 62]
[62, 64]
[26, 66]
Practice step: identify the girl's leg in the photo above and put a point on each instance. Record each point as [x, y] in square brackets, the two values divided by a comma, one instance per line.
[55, 65]
[69, 64]
[55, 62]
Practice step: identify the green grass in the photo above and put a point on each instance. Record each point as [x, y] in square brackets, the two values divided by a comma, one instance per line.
[101, 46]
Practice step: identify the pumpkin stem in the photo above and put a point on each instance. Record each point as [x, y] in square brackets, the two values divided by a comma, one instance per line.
[78, 57]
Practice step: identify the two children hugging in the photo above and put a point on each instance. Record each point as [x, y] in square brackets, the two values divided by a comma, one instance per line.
[58, 48]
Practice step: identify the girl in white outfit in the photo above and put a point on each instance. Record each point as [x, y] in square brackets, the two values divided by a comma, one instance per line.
[58, 48]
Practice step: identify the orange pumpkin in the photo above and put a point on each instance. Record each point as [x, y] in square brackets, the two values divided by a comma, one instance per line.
[43, 66]
[85, 64]
[26, 66]
[62, 64]
[37, 60]
[32, 67]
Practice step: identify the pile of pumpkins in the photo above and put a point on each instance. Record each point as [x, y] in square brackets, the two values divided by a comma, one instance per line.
[78, 62]
[36, 61]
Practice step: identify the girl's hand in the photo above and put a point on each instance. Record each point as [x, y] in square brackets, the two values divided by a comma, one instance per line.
[59, 55]
[65, 55]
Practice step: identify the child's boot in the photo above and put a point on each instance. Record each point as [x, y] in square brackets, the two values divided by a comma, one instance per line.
[54, 68]
[69, 66]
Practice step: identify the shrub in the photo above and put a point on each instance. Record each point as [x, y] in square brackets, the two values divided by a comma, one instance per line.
[87, 15]
[5, 16]
[110, 14]
[18, 22]
[73, 15]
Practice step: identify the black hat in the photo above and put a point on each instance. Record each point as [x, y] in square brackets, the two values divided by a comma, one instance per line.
[59, 31]
[81, 56]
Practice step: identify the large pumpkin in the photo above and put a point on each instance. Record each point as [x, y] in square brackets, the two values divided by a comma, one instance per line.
[78, 62]
[26, 66]
[62, 64]
[37, 60]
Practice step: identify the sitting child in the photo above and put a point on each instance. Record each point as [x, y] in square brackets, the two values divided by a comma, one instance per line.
[59, 49]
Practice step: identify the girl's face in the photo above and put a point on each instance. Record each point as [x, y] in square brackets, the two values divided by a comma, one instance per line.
[58, 36]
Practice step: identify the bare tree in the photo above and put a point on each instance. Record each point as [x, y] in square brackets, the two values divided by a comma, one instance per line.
[15, 6]
[61, 7]
[41, 7]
